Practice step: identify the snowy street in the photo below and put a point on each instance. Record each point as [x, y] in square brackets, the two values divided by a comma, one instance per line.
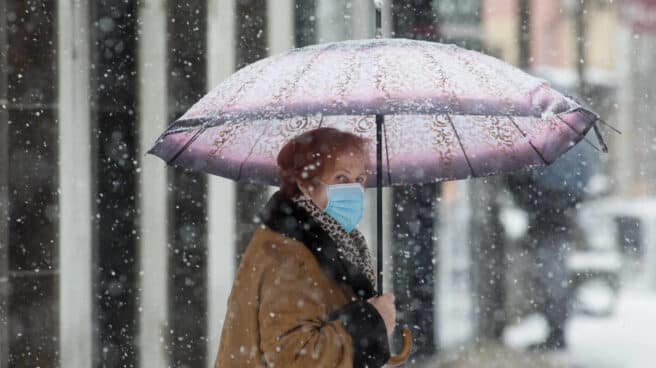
[623, 340]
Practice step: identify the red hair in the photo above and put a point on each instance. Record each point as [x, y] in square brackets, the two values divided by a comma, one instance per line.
[310, 154]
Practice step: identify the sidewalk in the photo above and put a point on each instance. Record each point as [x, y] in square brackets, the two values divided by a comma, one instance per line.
[494, 355]
[623, 340]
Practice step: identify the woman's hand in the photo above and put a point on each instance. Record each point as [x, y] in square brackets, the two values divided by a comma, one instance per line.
[384, 304]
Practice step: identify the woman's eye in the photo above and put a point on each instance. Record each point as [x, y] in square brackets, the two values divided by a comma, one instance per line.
[360, 180]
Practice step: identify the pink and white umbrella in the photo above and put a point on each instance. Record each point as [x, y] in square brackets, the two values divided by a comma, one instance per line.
[449, 113]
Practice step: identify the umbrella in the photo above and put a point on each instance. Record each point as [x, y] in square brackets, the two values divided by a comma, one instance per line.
[448, 113]
[435, 112]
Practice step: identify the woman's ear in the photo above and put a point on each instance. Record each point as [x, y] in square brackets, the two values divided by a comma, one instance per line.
[305, 186]
[302, 186]
[299, 185]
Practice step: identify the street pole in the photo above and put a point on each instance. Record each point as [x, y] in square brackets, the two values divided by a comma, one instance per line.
[4, 191]
[415, 210]
[251, 46]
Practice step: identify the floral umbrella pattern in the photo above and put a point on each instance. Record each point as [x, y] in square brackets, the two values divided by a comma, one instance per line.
[450, 113]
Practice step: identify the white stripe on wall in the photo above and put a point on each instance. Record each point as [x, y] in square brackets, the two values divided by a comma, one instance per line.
[153, 250]
[280, 25]
[75, 217]
[221, 197]
[363, 19]
[331, 23]
[622, 163]
[453, 302]
[387, 18]
[280, 35]
[387, 241]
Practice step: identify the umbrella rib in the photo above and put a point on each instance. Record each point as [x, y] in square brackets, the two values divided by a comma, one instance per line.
[389, 174]
[599, 119]
[189, 142]
[608, 125]
[544, 161]
[568, 125]
[600, 138]
[462, 147]
[577, 132]
[250, 152]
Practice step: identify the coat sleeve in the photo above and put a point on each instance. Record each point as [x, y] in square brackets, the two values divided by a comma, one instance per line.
[297, 331]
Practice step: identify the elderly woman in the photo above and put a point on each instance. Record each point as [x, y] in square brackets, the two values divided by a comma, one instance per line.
[304, 292]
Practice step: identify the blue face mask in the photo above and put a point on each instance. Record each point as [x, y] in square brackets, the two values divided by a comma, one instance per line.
[345, 204]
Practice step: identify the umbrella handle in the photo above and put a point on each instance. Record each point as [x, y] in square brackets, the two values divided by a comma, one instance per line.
[403, 355]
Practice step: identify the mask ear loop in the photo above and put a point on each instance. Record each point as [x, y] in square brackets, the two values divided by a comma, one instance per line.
[353, 183]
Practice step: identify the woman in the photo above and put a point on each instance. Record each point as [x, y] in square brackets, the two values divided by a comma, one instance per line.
[304, 292]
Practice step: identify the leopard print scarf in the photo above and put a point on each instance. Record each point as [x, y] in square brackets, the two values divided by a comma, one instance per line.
[352, 246]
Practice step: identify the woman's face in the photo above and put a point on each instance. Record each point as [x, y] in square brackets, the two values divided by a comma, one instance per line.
[349, 167]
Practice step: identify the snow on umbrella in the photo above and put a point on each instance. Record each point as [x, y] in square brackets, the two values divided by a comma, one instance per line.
[450, 113]
[435, 112]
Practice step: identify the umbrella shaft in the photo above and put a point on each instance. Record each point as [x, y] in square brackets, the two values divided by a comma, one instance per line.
[379, 201]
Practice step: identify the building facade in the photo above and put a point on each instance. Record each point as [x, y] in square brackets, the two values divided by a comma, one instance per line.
[107, 256]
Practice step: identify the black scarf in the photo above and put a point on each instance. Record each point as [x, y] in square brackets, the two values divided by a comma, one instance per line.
[352, 245]
[284, 216]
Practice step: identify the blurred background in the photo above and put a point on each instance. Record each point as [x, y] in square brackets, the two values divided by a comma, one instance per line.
[108, 258]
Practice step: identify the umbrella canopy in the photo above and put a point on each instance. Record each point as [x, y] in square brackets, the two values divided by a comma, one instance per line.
[449, 113]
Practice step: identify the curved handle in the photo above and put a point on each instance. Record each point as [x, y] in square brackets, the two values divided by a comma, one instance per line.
[403, 355]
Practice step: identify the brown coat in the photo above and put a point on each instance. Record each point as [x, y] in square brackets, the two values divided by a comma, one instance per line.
[295, 304]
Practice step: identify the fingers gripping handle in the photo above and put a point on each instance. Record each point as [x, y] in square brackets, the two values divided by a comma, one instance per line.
[406, 347]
